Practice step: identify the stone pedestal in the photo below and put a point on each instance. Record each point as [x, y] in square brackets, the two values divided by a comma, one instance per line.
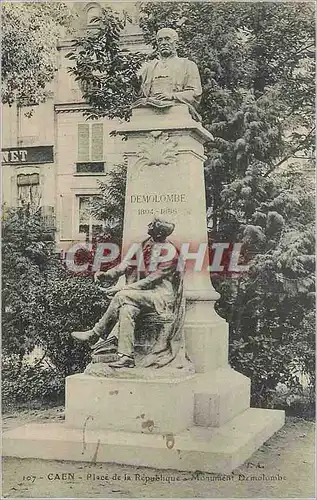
[165, 178]
[133, 405]
[200, 422]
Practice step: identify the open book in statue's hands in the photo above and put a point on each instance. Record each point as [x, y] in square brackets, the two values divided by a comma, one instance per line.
[159, 102]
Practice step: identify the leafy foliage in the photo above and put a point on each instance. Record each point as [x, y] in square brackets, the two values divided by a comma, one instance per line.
[30, 383]
[30, 32]
[110, 205]
[107, 73]
[267, 307]
[27, 253]
[42, 302]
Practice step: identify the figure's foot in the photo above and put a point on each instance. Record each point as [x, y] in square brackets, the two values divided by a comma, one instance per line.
[123, 362]
[84, 336]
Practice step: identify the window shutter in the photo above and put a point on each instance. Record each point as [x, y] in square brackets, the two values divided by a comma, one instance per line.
[83, 142]
[34, 179]
[97, 142]
[22, 180]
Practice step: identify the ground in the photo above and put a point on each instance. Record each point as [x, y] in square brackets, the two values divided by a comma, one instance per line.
[282, 468]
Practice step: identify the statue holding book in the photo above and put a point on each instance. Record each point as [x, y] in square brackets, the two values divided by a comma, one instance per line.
[142, 325]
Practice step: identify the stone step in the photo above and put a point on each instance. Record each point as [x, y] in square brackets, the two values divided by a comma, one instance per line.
[212, 449]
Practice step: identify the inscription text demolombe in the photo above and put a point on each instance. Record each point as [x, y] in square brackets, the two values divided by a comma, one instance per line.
[158, 198]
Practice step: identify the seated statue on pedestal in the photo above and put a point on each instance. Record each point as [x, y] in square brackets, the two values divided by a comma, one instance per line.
[144, 319]
[170, 79]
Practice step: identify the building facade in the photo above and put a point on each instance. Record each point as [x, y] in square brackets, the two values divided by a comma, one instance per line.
[52, 156]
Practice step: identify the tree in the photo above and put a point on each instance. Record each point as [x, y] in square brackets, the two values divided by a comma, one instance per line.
[108, 74]
[109, 207]
[42, 303]
[27, 253]
[267, 307]
[30, 32]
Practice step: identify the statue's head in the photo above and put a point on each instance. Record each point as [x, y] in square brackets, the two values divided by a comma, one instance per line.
[160, 229]
[166, 39]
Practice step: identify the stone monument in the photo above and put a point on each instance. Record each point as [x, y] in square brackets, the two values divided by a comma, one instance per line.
[193, 413]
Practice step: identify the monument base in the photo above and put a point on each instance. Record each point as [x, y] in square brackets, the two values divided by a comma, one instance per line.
[206, 449]
[198, 422]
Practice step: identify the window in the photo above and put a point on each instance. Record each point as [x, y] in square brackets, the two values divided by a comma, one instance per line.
[88, 224]
[90, 168]
[90, 148]
[29, 189]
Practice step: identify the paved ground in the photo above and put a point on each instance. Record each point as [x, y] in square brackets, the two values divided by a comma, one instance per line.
[282, 468]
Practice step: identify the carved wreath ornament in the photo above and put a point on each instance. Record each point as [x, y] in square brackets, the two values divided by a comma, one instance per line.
[158, 149]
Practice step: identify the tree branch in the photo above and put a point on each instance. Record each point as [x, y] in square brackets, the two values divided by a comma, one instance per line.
[39, 361]
[282, 63]
[291, 153]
